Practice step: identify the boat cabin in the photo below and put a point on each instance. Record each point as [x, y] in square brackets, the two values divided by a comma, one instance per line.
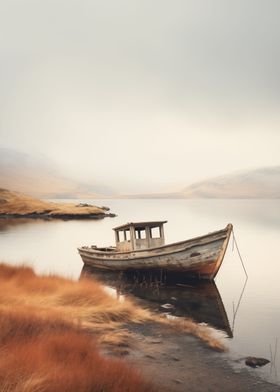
[141, 235]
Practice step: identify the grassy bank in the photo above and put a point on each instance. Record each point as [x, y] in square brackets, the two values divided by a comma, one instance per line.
[51, 331]
[18, 204]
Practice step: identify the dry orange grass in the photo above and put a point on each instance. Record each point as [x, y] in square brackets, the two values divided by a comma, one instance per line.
[202, 332]
[21, 204]
[46, 336]
[85, 303]
[38, 355]
[50, 328]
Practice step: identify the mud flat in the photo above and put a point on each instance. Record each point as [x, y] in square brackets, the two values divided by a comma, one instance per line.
[180, 362]
[18, 205]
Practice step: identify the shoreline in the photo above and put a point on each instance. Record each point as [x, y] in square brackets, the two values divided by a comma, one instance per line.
[38, 215]
[179, 362]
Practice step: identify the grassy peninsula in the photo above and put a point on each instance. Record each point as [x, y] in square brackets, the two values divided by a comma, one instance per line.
[18, 205]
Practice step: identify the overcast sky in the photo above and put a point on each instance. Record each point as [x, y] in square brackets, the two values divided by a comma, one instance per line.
[142, 95]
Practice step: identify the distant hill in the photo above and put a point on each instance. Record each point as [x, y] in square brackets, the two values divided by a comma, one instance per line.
[36, 176]
[263, 183]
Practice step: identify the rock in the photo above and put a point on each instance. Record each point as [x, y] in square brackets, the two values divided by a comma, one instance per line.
[167, 306]
[156, 341]
[119, 352]
[178, 381]
[149, 356]
[84, 205]
[256, 362]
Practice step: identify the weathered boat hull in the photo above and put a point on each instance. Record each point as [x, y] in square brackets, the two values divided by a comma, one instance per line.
[200, 257]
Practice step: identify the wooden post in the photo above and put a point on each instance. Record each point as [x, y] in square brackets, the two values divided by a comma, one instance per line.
[148, 236]
[117, 239]
[162, 234]
[132, 237]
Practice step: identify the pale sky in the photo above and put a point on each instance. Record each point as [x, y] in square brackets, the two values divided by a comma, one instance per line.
[142, 95]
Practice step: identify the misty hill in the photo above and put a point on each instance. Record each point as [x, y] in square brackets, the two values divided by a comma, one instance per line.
[263, 183]
[36, 176]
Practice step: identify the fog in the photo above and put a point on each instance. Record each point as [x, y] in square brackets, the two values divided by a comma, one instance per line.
[142, 95]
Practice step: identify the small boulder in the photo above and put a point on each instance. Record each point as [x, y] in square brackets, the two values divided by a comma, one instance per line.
[256, 362]
[178, 381]
[84, 205]
[167, 306]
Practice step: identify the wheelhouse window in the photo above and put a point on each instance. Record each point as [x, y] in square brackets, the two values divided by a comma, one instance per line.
[127, 235]
[140, 234]
[123, 235]
[155, 232]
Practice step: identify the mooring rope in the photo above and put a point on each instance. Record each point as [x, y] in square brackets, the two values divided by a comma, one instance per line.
[235, 310]
[238, 251]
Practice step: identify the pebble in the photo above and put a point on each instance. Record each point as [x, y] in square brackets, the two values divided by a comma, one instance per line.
[178, 381]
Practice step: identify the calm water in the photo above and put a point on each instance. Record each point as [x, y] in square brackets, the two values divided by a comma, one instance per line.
[252, 311]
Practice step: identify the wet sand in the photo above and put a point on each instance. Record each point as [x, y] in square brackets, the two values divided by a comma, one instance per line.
[179, 362]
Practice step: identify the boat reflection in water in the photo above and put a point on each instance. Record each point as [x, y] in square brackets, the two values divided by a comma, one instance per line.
[172, 294]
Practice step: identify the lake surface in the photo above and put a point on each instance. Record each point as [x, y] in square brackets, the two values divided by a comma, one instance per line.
[248, 310]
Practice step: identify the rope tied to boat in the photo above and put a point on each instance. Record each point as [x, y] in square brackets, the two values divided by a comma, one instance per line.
[234, 243]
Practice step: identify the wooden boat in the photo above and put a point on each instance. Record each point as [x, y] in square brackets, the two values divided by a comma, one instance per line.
[140, 246]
